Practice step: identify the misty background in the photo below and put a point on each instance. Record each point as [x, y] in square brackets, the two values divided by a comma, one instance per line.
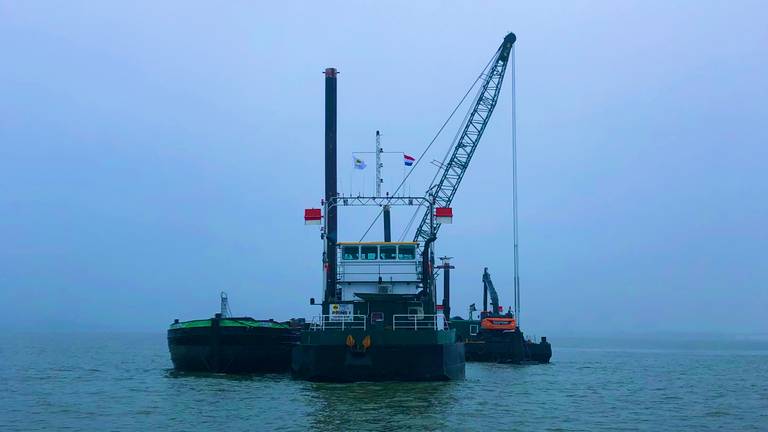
[153, 154]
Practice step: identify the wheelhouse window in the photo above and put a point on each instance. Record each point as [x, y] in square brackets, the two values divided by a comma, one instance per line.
[369, 252]
[388, 252]
[350, 253]
[406, 252]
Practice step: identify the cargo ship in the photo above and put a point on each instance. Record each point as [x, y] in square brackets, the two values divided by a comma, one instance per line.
[228, 344]
[378, 319]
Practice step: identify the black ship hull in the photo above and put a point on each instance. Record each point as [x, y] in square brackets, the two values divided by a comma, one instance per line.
[505, 346]
[539, 352]
[385, 362]
[235, 349]
[393, 363]
[508, 351]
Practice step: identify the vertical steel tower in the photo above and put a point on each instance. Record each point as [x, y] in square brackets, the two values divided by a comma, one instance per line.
[331, 233]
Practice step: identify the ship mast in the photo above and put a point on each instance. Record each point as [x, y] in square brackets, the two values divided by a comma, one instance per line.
[379, 181]
[379, 165]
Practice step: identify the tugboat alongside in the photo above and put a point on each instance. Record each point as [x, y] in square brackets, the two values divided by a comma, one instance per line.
[496, 336]
[378, 319]
[226, 344]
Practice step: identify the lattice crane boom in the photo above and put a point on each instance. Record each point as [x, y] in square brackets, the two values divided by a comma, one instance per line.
[452, 172]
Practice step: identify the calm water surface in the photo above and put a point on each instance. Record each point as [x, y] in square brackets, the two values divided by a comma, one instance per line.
[124, 382]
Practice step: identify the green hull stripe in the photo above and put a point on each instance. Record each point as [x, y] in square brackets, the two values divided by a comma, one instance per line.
[227, 323]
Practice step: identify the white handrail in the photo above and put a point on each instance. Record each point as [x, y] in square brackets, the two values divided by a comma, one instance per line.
[418, 322]
[335, 322]
[399, 322]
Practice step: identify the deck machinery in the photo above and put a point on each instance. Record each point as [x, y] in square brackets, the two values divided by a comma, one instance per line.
[496, 336]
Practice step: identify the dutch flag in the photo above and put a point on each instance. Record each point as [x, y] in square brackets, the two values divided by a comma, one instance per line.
[408, 159]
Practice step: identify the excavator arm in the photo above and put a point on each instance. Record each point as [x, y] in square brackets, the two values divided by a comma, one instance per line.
[491, 290]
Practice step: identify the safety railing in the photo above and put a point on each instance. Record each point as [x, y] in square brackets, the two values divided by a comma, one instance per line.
[338, 322]
[418, 322]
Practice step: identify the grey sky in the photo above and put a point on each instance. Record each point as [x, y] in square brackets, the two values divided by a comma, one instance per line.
[154, 153]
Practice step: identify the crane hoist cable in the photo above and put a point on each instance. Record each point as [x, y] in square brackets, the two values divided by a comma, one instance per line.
[448, 152]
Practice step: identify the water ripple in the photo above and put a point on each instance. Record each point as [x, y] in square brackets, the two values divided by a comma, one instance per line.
[124, 382]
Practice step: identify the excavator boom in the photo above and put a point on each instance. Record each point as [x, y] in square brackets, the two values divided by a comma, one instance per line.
[491, 290]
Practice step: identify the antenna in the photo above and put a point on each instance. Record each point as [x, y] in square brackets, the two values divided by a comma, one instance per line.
[225, 312]
[379, 165]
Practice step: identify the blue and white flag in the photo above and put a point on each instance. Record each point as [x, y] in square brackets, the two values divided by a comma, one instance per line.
[359, 163]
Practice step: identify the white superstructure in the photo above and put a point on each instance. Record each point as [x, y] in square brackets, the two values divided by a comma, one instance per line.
[378, 268]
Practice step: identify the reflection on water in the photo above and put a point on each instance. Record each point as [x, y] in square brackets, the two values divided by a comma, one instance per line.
[421, 406]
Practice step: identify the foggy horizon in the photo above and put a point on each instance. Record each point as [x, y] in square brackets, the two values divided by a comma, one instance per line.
[153, 155]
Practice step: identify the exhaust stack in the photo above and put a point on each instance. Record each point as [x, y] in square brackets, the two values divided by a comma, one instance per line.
[387, 225]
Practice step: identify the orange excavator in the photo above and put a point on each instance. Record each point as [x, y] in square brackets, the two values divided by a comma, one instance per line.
[496, 335]
[494, 319]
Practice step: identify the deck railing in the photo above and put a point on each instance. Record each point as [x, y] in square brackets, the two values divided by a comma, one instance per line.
[335, 322]
[399, 322]
[418, 322]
